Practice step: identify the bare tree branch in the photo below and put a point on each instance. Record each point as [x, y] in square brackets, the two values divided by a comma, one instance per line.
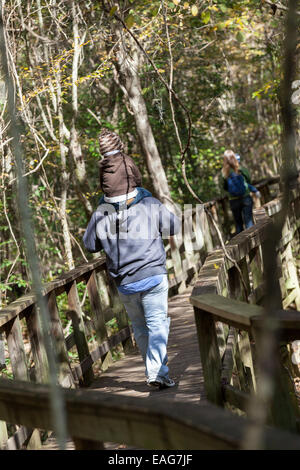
[56, 398]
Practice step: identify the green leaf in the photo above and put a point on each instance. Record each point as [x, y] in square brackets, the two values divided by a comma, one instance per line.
[240, 37]
[223, 8]
[145, 90]
[154, 11]
[130, 21]
[138, 20]
[205, 16]
[221, 25]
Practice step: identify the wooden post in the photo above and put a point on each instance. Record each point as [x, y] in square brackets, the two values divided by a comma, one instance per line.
[175, 254]
[19, 366]
[2, 353]
[245, 273]
[243, 356]
[256, 266]
[198, 243]
[187, 240]
[241, 370]
[284, 409]
[244, 346]
[228, 361]
[37, 346]
[213, 232]
[16, 349]
[292, 279]
[85, 444]
[265, 192]
[121, 316]
[79, 330]
[226, 218]
[202, 221]
[103, 292]
[65, 372]
[3, 427]
[95, 302]
[236, 290]
[3, 435]
[98, 317]
[295, 242]
[210, 356]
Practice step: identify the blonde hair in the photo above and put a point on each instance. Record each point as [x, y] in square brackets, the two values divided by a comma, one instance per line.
[229, 163]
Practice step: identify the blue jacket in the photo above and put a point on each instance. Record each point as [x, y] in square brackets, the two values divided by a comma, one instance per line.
[131, 236]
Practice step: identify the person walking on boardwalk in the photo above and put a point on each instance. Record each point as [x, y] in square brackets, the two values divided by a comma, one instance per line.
[129, 227]
[237, 182]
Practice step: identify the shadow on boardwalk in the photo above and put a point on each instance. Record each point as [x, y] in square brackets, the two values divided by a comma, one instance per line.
[127, 376]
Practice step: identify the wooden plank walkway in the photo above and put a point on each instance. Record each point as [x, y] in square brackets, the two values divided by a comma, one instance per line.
[127, 376]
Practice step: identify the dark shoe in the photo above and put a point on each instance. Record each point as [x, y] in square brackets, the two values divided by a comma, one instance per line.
[154, 384]
[167, 383]
[161, 382]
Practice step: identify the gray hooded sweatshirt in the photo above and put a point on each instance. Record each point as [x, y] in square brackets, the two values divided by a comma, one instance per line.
[131, 237]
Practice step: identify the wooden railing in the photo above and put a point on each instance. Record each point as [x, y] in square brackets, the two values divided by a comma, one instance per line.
[220, 208]
[92, 339]
[228, 323]
[94, 417]
[186, 255]
[90, 336]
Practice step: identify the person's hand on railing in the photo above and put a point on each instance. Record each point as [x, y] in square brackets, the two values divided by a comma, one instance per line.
[258, 194]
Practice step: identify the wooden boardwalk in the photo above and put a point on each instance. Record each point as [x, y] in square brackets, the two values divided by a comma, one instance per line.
[127, 376]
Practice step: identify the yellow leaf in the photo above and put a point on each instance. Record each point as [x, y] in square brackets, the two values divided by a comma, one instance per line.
[186, 5]
[113, 10]
[205, 15]
[216, 266]
[194, 10]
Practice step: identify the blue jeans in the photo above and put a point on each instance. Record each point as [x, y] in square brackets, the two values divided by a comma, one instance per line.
[242, 212]
[148, 312]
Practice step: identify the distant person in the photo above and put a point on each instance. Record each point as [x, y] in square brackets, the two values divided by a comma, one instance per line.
[129, 225]
[237, 182]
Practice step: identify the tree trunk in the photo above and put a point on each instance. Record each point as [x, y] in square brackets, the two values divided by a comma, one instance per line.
[65, 177]
[127, 71]
[80, 176]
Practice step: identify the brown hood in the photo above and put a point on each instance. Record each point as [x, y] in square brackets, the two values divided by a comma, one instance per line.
[118, 175]
[112, 163]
